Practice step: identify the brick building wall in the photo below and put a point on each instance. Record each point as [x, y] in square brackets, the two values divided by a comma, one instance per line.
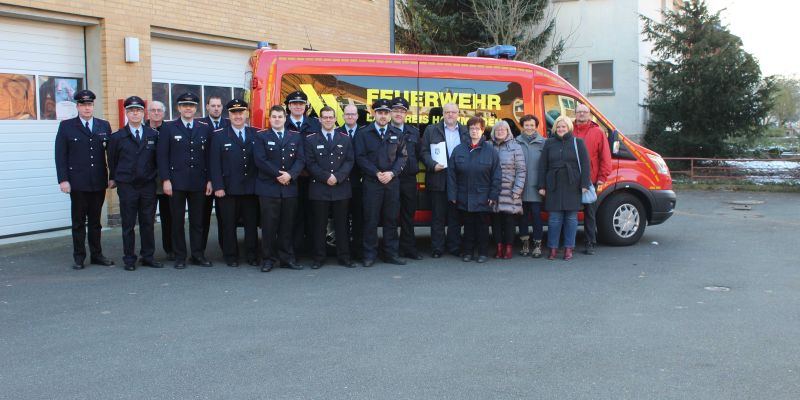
[331, 25]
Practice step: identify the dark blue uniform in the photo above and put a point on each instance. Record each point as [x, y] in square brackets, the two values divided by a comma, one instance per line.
[132, 166]
[380, 153]
[164, 212]
[356, 207]
[278, 202]
[81, 161]
[326, 157]
[307, 126]
[183, 159]
[233, 170]
[304, 226]
[408, 192]
[220, 124]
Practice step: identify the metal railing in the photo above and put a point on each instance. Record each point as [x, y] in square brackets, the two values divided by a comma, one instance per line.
[751, 170]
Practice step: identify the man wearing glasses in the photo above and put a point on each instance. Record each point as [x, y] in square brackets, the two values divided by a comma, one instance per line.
[329, 159]
[156, 112]
[443, 212]
[600, 161]
[132, 168]
[356, 206]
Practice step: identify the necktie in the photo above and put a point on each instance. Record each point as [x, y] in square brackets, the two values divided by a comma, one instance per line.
[216, 124]
[382, 131]
[280, 136]
[351, 132]
[330, 139]
[298, 125]
[188, 126]
[241, 137]
[87, 126]
[136, 132]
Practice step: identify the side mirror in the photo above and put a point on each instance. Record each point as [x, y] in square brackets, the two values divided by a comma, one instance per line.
[613, 142]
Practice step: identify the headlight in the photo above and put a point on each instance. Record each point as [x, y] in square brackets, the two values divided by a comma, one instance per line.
[659, 163]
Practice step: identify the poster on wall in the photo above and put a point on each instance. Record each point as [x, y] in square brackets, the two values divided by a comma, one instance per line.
[65, 91]
[17, 97]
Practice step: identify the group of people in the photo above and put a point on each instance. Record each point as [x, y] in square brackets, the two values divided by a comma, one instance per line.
[301, 172]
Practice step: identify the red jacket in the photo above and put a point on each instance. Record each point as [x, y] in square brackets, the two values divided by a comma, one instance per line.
[597, 146]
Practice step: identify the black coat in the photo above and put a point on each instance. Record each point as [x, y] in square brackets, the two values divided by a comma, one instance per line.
[231, 165]
[324, 159]
[81, 155]
[434, 133]
[183, 156]
[559, 174]
[130, 161]
[413, 148]
[474, 177]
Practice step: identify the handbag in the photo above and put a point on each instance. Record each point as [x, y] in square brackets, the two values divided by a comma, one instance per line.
[590, 196]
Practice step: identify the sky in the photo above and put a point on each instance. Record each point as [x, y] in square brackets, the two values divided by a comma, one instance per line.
[768, 29]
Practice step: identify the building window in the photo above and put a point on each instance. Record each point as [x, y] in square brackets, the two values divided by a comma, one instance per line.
[32, 97]
[602, 76]
[165, 92]
[224, 93]
[569, 71]
[178, 89]
[161, 93]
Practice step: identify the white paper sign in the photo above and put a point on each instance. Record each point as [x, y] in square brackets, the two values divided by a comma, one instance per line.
[439, 153]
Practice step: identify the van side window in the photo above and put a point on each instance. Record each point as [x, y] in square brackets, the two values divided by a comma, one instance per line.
[492, 100]
[556, 105]
[338, 91]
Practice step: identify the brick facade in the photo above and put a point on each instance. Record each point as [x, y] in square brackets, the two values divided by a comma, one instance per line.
[333, 25]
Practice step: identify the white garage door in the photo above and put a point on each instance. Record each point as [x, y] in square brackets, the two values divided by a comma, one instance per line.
[204, 69]
[41, 65]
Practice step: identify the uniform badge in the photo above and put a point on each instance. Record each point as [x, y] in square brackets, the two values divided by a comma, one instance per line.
[178, 138]
[393, 137]
[151, 142]
[227, 145]
[271, 143]
[319, 146]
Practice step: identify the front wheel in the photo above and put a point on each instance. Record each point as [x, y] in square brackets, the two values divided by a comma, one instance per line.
[621, 220]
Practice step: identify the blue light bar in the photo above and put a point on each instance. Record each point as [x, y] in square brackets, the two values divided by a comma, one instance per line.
[499, 51]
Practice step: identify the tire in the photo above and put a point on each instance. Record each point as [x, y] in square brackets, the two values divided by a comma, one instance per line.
[621, 220]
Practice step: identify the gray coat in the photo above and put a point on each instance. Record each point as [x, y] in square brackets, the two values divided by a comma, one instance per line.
[532, 148]
[512, 166]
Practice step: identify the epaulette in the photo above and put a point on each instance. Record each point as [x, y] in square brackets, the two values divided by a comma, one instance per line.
[311, 134]
[344, 134]
[201, 122]
[220, 129]
[262, 130]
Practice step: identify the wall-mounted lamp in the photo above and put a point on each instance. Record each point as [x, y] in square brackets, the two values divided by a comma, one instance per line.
[131, 49]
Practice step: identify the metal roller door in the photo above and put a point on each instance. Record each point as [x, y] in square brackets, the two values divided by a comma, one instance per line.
[42, 65]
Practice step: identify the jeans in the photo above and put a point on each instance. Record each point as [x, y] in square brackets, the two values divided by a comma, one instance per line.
[569, 219]
[532, 211]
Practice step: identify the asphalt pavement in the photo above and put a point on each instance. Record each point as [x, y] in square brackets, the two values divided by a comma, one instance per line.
[705, 306]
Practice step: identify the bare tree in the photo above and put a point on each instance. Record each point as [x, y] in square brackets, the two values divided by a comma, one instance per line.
[527, 24]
